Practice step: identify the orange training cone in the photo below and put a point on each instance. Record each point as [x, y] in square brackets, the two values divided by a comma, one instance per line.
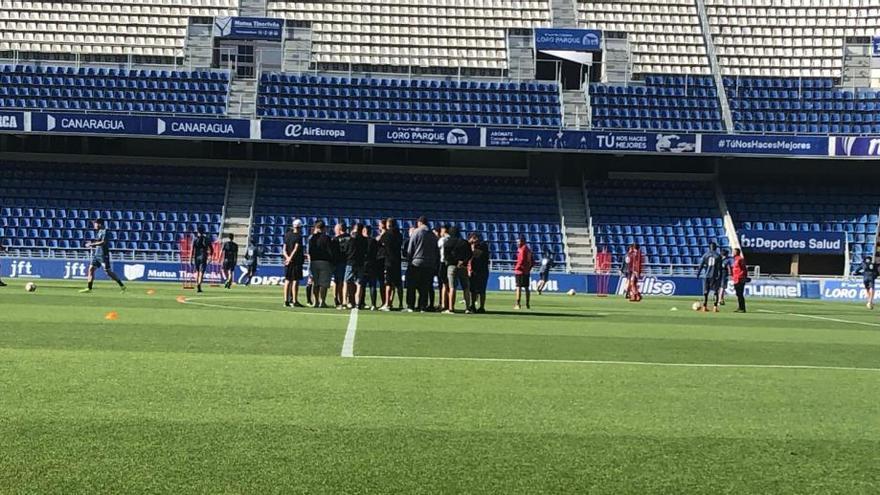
[112, 316]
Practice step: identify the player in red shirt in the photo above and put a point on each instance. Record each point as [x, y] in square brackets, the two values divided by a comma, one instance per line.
[740, 277]
[522, 270]
[635, 261]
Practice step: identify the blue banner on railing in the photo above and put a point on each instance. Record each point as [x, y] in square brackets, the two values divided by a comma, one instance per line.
[646, 142]
[314, 131]
[577, 40]
[765, 145]
[857, 146]
[786, 242]
[422, 135]
[778, 289]
[215, 128]
[81, 123]
[875, 46]
[248, 28]
[11, 121]
[596, 141]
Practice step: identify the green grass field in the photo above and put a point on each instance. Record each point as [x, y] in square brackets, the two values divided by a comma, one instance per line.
[231, 393]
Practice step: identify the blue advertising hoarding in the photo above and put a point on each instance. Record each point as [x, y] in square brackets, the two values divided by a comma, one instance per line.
[214, 128]
[578, 40]
[12, 121]
[875, 46]
[786, 242]
[426, 135]
[248, 28]
[314, 131]
[844, 290]
[857, 146]
[765, 145]
[595, 141]
[81, 123]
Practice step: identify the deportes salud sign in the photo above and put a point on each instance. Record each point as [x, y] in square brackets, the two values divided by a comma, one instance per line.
[782, 242]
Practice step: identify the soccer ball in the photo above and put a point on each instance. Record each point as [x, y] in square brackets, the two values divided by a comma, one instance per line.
[571, 292]
[30, 287]
[696, 306]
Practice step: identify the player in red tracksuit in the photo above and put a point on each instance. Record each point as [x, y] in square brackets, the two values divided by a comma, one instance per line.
[635, 260]
[522, 270]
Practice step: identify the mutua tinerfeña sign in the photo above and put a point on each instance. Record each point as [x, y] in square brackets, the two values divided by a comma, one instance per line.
[248, 28]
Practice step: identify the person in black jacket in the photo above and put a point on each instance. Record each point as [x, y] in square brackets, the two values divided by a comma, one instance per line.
[355, 256]
[479, 272]
[457, 253]
[372, 268]
[391, 243]
[339, 246]
[320, 263]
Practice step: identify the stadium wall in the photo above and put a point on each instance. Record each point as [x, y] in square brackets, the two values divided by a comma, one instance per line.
[833, 289]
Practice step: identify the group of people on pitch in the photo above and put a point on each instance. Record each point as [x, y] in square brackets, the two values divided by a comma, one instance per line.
[716, 269]
[361, 258]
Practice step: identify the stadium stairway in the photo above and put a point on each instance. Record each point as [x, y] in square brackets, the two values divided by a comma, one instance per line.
[252, 8]
[578, 238]
[238, 210]
[242, 98]
[575, 113]
[564, 13]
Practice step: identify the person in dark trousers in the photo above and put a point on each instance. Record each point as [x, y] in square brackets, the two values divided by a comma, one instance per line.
[522, 270]
[251, 258]
[726, 272]
[458, 254]
[202, 251]
[355, 256]
[101, 256]
[442, 233]
[740, 276]
[546, 265]
[2, 250]
[869, 272]
[320, 263]
[479, 272]
[340, 246]
[230, 259]
[294, 259]
[711, 266]
[423, 257]
[391, 242]
[372, 269]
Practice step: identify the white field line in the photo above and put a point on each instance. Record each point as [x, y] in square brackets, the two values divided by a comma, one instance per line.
[258, 310]
[348, 343]
[825, 318]
[622, 363]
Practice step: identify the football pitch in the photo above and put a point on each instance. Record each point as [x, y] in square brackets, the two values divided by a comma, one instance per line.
[229, 392]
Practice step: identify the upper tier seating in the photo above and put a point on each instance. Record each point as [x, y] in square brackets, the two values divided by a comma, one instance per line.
[673, 221]
[113, 90]
[787, 38]
[665, 35]
[420, 33]
[409, 100]
[663, 102]
[809, 208]
[499, 208]
[154, 28]
[808, 105]
[49, 206]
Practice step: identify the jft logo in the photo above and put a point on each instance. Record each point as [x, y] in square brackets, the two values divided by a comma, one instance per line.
[21, 269]
[74, 270]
